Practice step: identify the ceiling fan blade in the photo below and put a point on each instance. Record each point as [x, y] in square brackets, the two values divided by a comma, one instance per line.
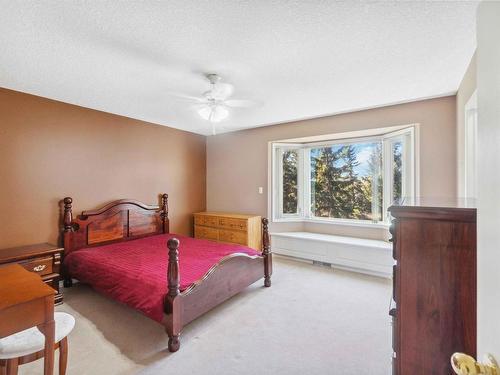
[222, 91]
[187, 97]
[242, 103]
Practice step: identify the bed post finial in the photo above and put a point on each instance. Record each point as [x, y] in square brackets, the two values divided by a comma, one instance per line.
[173, 267]
[164, 212]
[68, 228]
[266, 253]
[68, 214]
[172, 304]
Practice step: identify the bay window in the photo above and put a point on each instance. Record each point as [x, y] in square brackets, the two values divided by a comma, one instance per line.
[349, 180]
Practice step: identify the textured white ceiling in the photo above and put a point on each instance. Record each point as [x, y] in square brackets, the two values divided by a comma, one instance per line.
[300, 59]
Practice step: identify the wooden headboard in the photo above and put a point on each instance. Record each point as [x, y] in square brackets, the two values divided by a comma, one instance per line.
[121, 220]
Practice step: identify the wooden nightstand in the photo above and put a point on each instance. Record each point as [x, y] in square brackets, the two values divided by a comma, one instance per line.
[43, 259]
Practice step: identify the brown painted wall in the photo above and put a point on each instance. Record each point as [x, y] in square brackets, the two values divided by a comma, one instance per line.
[49, 150]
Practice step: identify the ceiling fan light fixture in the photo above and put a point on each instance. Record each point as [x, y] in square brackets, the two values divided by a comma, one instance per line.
[213, 113]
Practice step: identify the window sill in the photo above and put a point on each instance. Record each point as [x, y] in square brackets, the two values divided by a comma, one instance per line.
[347, 223]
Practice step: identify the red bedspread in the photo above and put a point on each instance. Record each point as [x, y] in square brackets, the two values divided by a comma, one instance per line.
[135, 272]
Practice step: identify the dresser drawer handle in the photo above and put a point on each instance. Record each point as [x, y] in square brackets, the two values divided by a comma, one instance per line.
[39, 268]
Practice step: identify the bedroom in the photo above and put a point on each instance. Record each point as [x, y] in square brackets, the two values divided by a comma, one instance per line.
[102, 101]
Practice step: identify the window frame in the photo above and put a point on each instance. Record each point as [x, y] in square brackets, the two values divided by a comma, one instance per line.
[278, 149]
[408, 135]
[408, 177]
[470, 167]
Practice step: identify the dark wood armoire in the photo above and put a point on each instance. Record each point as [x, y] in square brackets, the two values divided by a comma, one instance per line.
[434, 290]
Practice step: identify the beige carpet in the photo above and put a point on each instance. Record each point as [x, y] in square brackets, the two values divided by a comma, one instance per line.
[313, 320]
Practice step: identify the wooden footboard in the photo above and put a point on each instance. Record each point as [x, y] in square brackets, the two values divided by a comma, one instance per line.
[225, 279]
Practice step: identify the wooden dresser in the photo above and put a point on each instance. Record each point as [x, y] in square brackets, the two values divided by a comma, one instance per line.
[434, 290]
[233, 228]
[43, 259]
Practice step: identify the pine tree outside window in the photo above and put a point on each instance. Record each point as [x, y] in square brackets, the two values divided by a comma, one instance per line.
[349, 180]
[288, 161]
[290, 182]
[346, 181]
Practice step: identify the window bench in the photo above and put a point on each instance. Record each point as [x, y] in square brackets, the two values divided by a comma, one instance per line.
[372, 257]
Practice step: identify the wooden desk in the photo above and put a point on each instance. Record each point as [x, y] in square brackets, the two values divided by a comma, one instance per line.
[43, 259]
[26, 301]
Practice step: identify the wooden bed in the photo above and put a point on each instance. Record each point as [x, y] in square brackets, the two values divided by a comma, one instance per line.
[125, 220]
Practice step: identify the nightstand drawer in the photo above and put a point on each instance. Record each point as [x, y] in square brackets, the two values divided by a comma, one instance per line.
[53, 281]
[43, 259]
[41, 266]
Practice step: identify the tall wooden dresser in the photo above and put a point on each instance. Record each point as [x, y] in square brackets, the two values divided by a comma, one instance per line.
[434, 290]
[233, 228]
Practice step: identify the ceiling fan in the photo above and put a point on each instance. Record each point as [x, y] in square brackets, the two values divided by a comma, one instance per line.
[214, 105]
